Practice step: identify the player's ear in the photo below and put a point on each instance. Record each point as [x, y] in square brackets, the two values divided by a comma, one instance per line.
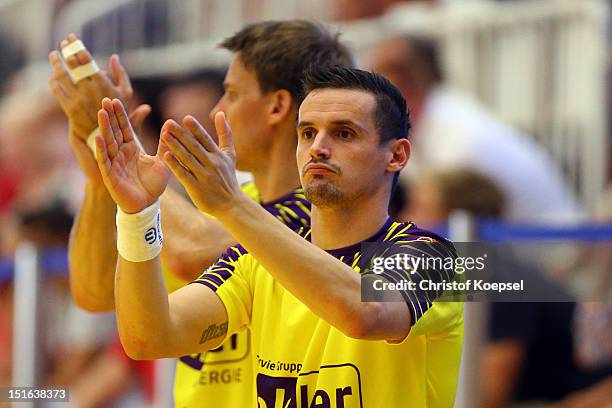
[281, 104]
[399, 150]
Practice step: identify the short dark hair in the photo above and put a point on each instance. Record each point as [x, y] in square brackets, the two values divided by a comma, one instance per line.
[280, 52]
[391, 115]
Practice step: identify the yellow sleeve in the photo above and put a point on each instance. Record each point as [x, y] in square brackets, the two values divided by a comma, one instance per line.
[230, 279]
[441, 317]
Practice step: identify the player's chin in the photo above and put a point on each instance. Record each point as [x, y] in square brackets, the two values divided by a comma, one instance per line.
[316, 180]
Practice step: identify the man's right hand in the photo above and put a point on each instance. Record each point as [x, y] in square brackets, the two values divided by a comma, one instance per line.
[80, 102]
[134, 179]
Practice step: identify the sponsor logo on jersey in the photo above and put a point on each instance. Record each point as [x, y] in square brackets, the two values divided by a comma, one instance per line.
[332, 386]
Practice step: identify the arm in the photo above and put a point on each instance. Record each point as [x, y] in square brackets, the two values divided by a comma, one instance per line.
[598, 395]
[194, 241]
[92, 250]
[331, 289]
[151, 323]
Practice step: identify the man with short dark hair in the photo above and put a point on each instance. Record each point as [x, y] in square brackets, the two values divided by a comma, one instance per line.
[315, 342]
[260, 100]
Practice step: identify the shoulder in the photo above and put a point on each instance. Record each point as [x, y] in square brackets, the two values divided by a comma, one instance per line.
[293, 209]
[408, 235]
[233, 253]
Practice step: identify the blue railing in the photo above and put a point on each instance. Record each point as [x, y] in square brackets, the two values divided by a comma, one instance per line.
[488, 230]
[54, 262]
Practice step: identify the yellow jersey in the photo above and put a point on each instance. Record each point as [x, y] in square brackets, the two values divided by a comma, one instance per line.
[301, 361]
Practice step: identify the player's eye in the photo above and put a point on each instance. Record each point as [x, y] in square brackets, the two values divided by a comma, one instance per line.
[345, 134]
[308, 133]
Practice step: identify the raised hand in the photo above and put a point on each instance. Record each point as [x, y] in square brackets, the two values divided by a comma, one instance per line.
[207, 171]
[80, 102]
[133, 178]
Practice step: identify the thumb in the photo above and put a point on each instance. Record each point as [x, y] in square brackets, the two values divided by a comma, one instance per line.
[138, 116]
[224, 132]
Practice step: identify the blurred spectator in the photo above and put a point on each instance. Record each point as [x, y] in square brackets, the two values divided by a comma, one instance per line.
[451, 131]
[35, 152]
[437, 194]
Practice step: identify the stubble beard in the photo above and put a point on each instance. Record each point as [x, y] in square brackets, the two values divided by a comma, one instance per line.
[327, 195]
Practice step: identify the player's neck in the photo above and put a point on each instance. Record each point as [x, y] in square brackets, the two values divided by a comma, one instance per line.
[334, 228]
[277, 175]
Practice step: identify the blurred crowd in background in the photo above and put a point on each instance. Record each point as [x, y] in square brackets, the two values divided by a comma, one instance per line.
[511, 103]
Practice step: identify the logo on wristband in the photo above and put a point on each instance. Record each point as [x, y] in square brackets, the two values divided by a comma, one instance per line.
[151, 235]
[153, 232]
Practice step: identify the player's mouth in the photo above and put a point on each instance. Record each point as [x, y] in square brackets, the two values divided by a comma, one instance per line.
[318, 168]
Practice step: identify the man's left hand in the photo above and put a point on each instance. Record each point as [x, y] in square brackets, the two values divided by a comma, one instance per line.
[207, 171]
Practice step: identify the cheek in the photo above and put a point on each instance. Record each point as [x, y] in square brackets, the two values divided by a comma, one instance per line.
[369, 162]
[301, 154]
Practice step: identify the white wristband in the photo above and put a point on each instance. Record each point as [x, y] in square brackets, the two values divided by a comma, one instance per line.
[139, 236]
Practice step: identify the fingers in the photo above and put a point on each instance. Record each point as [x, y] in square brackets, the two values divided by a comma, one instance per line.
[81, 58]
[184, 176]
[185, 146]
[60, 73]
[123, 121]
[58, 91]
[162, 148]
[107, 105]
[120, 76]
[200, 134]
[182, 154]
[226, 139]
[110, 145]
[103, 159]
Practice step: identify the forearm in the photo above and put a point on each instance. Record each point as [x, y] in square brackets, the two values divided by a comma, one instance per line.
[93, 251]
[141, 304]
[331, 289]
[153, 324]
[192, 241]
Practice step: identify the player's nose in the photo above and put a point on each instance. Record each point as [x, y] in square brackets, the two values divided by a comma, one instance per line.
[321, 146]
